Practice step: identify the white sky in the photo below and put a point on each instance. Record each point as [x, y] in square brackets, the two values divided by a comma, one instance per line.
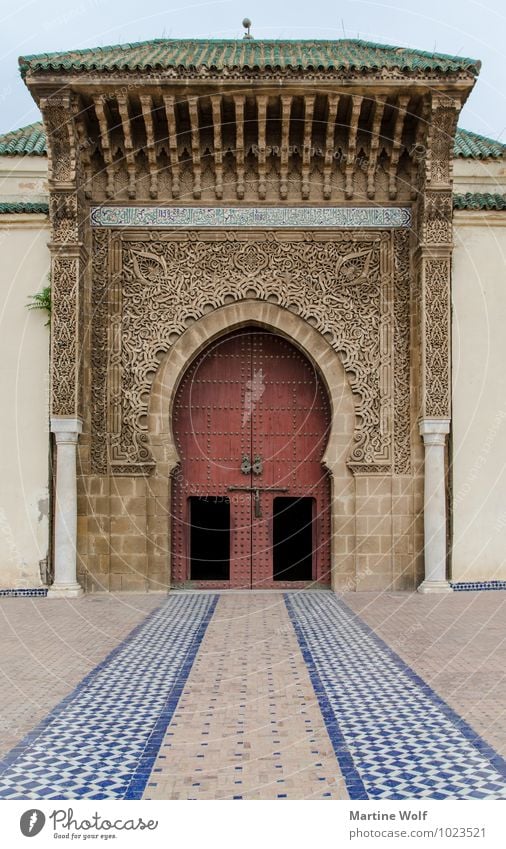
[460, 27]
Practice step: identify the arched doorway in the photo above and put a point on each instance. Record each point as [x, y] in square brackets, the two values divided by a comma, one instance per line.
[250, 497]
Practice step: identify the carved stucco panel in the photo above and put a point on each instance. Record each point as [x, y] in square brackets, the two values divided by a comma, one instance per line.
[341, 284]
[64, 335]
[436, 316]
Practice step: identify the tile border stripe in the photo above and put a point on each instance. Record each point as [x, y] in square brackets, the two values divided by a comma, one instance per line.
[261, 217]
[477, 586]
[41, 592]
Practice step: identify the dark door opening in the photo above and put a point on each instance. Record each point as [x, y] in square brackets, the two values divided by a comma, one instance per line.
[209, 538]
[293, 539]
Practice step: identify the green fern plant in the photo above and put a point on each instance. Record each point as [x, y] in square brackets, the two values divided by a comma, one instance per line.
[42, 301]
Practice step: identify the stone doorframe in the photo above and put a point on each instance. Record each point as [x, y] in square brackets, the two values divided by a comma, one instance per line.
[319, 352]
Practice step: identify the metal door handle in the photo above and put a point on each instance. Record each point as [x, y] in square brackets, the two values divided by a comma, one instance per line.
[256, 490]
[245, 464]
[257, 466]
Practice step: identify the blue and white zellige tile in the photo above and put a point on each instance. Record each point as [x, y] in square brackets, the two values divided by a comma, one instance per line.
[394, 737]
[100, 742]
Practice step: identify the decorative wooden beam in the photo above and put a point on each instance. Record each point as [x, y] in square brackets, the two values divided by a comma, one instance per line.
[419, 150]
[84, 144]
[122, 101]
[262, 127]
[333, 103]
[193, 106]
[101, 111]
[309, 102]
[170, 113]
[379, 109]
[146, 105]
[395, 152]
[286, 105]
[218, 148]
[239, 143]
[351, 155]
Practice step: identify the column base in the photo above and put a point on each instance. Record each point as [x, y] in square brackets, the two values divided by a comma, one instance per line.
[434, 587]
[65, 591]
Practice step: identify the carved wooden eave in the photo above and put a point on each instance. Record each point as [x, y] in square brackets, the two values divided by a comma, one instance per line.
[328, 140]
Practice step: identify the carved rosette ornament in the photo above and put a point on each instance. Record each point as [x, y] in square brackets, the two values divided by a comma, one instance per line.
[353, 288]
[67, 254]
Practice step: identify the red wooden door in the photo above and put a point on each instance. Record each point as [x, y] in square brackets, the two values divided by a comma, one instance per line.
[250, 497]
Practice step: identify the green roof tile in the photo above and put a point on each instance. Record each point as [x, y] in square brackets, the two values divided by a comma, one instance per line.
[237, 54]
[28, 141]
[470, 145]
[479, 200]
[21, 206]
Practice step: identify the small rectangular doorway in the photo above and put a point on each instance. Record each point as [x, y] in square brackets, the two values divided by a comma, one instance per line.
[209, 538]
[293, 539]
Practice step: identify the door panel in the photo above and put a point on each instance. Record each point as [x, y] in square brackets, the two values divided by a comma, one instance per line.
[293, 539]
[209, 538]
[249, 395]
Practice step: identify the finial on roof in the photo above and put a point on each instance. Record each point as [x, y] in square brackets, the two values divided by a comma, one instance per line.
[247, 24]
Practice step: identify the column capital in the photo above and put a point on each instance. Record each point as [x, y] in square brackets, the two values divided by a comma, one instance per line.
[66, 430]
[434, 431]
[66, 424]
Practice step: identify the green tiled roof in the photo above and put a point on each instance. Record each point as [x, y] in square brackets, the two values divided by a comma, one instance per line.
[30, 140]
[13, 207]
[233, 54]
[479, 200]
[470, 145]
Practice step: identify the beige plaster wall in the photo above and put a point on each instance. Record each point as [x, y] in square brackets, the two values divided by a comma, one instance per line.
[476, 175]
[24, 401]
[23, 178]
[478, 457]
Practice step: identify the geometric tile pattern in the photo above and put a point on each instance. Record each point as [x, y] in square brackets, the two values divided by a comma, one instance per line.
[474, 586]
[100, 742]
[393, 736]
[24, 593]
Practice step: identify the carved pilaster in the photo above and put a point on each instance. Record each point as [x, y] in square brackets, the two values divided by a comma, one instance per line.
[434, 230]
[435, 292]
[67, 254]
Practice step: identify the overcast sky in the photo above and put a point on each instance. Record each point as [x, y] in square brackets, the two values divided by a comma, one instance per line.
[460, 27]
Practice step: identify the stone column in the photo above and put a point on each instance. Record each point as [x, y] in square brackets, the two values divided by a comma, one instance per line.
[65, 584]
[434, 433]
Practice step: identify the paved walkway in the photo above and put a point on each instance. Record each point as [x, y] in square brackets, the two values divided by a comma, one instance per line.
[248, 725]
[254, 695]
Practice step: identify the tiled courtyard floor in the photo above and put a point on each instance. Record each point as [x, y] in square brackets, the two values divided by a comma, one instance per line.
[253, 695]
